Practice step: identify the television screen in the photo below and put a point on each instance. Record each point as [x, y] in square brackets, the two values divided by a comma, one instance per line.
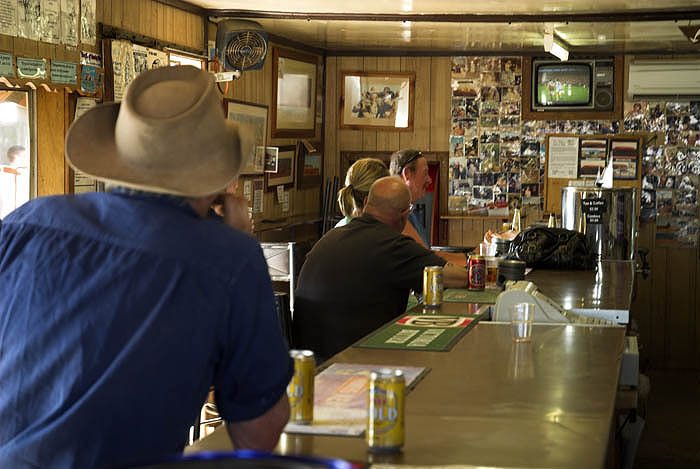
[563, 85]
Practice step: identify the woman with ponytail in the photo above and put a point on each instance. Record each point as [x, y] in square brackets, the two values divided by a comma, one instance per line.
[358, 180]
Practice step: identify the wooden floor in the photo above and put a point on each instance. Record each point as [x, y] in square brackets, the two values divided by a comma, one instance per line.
[671, 437]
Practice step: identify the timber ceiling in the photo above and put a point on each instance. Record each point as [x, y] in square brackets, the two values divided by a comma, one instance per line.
[444, 27]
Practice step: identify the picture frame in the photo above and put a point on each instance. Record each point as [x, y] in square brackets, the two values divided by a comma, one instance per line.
[293, 94]
[270, 157]
[286, 159]
[253, 116]
[625, 156]
[377, 100]
[309, 164]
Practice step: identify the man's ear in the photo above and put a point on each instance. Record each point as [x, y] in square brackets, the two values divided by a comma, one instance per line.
[405, 174]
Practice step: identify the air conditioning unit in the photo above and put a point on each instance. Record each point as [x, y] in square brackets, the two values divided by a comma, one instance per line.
[664, 79]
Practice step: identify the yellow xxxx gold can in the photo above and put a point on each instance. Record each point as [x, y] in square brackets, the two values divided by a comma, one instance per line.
[432, 286]
[301, 388]
[385, 405]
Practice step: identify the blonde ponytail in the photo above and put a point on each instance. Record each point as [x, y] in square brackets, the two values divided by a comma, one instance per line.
[358, 180]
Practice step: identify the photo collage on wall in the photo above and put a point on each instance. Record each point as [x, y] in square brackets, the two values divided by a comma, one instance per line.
[497, 161]
[670, 167]
[485, 160]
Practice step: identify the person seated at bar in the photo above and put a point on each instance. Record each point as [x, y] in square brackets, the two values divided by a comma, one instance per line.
[357, 277]
[119, 310]
[359, 178]
[412, 167]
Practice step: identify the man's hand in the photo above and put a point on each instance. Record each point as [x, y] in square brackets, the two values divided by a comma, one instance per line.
[235, 212]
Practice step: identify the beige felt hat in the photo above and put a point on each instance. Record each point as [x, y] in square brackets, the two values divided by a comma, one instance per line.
[168, 135]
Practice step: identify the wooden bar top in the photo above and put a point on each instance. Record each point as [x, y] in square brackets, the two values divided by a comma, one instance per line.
[490, 402]
[610, 286]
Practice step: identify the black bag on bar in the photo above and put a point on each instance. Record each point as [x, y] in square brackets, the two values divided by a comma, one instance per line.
[552, 248]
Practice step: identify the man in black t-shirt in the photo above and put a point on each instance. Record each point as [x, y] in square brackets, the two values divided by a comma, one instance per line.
[358, 276]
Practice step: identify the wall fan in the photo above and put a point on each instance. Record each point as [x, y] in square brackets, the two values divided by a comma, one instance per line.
[241, 45]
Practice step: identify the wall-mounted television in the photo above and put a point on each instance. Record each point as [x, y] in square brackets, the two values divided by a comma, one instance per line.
[572, 85]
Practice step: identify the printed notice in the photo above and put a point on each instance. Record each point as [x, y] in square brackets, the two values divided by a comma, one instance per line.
[562, 157]
[258, 186]
[593, 210]
[31, 68]
[6, 68]
[64, 72]
[8, 17]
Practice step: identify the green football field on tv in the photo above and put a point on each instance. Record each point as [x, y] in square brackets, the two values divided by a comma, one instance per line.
[567, 95]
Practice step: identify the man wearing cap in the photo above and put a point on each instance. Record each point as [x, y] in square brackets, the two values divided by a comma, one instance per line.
[119, 310]
[412, 167]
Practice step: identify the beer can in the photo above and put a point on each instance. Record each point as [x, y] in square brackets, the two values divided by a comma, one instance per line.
[477, 273]
[385, 405]
[432, 286]
[301, 388]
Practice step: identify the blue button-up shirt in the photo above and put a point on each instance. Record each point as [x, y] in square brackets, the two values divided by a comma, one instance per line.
[117, 314]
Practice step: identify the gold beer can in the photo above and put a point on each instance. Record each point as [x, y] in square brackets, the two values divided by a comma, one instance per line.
[432, 286]
[301, 388]
[385, 406]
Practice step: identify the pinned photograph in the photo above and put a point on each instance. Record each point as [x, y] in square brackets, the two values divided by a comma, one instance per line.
[458, 168]
[510, 136]
[489, 150]
[511, 109]
[460, 67]
[489, 135]
[510, 150]
[489, 93]
[468, 87]
[655, 117]
[492, 64]
[512, 64]
[490, 78]
[510, 164]
[510, 121]
[456, 146]
[513, 183]
[471, 107]
[458, 112]
[489, 121]
[510, 94]
[490, 108]
[471, 146]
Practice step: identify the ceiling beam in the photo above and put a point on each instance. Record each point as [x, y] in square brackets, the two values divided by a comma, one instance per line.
[570, 17]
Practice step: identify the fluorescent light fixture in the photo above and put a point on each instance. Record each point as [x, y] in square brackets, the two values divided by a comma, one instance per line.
[554, 48]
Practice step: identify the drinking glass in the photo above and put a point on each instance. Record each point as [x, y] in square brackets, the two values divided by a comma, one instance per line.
[521, 316]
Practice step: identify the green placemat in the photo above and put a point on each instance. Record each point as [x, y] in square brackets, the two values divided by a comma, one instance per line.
[437, 333]
[462, 295]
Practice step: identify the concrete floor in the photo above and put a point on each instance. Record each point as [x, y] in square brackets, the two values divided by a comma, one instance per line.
[671, 436]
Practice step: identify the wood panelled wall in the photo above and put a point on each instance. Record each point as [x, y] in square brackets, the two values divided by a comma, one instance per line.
[146, 17]
[667, 305]
[304, 204]
[431, 122]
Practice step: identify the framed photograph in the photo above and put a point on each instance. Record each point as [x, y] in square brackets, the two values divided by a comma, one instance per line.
[309, 164]
[593, 157]
[625, 157]
[377, 100]
[253, 116]
[270, 156]
[286, 156]
[293, 94]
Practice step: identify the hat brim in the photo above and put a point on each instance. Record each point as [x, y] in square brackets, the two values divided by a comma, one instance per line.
[91, 148]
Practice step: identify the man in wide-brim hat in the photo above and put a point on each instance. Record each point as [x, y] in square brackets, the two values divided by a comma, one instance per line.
[119, 309]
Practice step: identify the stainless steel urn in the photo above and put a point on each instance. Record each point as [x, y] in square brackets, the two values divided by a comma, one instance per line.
[606, 217]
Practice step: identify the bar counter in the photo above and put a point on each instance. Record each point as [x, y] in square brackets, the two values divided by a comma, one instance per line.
[491, 402]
